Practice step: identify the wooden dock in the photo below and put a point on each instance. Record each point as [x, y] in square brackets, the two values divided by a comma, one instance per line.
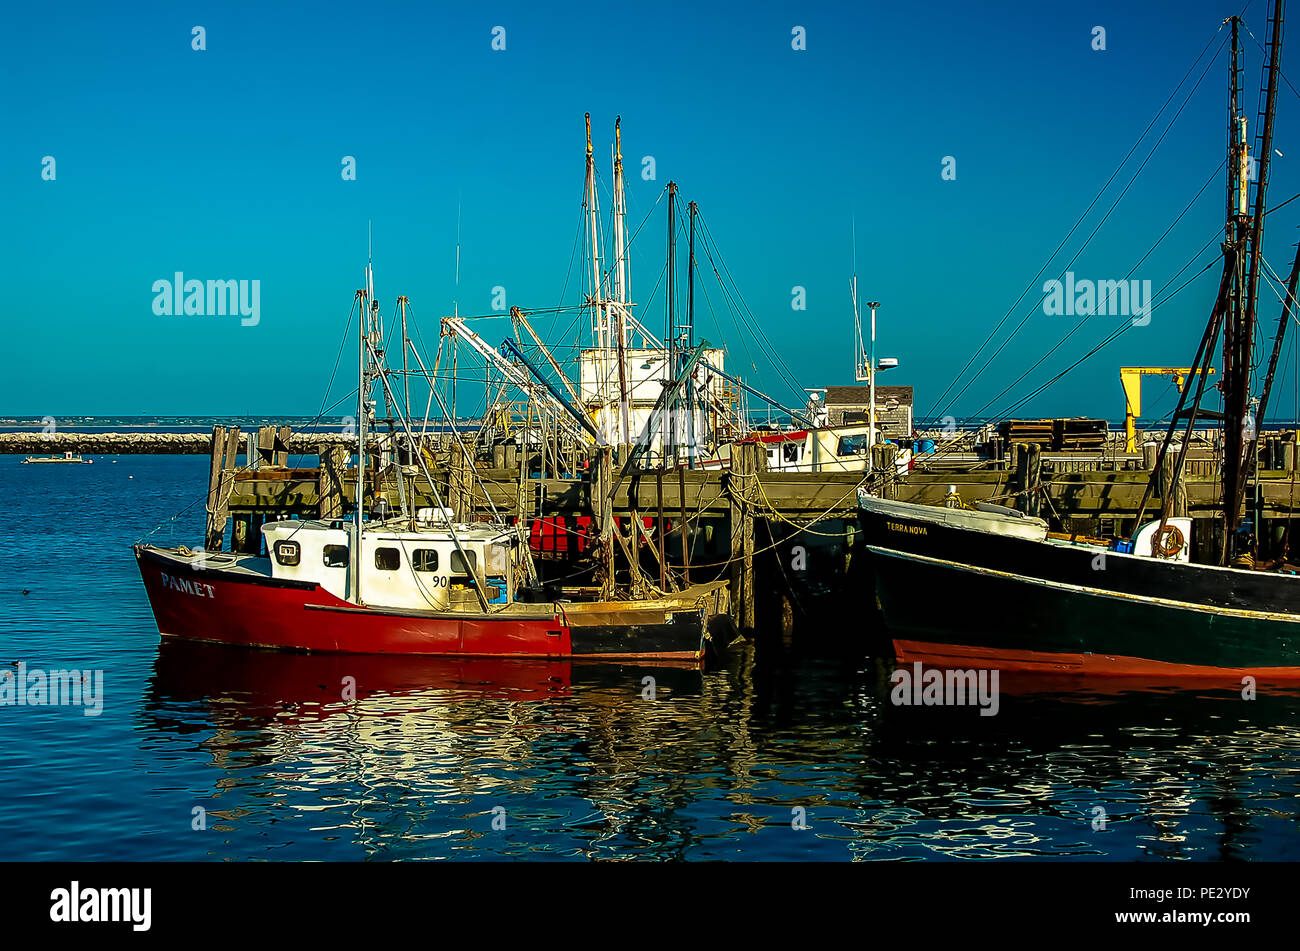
[742, 523]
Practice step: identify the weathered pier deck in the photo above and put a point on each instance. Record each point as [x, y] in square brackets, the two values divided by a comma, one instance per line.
[1063, 486]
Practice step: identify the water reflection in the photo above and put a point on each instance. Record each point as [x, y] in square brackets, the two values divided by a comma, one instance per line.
[718, 765]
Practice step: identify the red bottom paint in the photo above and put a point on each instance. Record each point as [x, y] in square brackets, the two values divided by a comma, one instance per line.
[1092, 665]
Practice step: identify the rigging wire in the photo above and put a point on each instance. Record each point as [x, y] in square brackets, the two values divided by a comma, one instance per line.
[1082, 217]
[1132, 179]
[1084, 318]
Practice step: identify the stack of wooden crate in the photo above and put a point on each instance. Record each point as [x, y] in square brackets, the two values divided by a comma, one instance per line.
[1037, 431]
[1079, 435]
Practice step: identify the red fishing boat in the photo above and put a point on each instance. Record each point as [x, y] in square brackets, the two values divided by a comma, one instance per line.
[416, 581]
[437, 590]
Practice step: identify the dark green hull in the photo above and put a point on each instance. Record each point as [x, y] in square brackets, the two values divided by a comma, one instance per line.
[958, 597]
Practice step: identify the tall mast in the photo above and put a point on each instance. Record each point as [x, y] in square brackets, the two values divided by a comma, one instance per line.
[406, 373]
[363, 299]
[1237, 398]
[620, 280]
[620, 219]
[599, 323]
[871, 387]
[689, 332]
[670, 431]
[1232, 384]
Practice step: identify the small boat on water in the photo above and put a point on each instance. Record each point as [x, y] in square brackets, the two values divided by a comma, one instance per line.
[988, 587]
[67, 457]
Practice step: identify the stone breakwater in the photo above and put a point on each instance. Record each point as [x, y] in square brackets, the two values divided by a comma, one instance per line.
[196, 444]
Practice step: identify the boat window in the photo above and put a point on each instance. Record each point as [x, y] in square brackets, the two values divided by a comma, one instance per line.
[458, 563]
[288, 553]
[424, 559]
[387, 559]
[336, 556]
[852, 446]
[790, 452]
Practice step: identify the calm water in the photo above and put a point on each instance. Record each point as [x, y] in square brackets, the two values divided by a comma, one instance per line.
[572, 759]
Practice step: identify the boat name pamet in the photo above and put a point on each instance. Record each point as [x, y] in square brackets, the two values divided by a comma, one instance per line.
[196, 588]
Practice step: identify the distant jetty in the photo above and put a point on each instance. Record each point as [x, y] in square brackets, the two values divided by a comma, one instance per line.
[180, 444]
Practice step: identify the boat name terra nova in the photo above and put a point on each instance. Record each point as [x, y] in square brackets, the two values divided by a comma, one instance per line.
[909, 529]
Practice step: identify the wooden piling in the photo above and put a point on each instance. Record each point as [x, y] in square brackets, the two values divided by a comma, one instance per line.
[1034, 467]
[884, 463]
[221, 480]
[743, 465]
[686, 548]
[1173, 489]
[603, 480]
[659, 529]
[329, 482]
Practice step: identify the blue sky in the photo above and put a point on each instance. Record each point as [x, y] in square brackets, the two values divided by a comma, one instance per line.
[225, 163]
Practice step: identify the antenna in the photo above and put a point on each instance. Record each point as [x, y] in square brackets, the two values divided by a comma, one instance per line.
[861, 365]
[455, 307]
[853, 227]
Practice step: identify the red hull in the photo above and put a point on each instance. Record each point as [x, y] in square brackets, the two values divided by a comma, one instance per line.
[226, 608]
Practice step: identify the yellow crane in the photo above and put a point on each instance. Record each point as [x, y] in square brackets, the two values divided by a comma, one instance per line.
[1131, 379]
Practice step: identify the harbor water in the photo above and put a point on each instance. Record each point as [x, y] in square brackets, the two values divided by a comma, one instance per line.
[208, 753]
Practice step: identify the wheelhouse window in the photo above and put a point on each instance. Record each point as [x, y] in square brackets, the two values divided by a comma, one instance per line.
[458, 563]
[335, 556]
[852, 446]
[790, 452]
[388, 559]
[424, 559]
[288, 553]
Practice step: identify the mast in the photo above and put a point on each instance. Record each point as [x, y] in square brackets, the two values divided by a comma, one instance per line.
[1237, 395]
[1234, 306]
[670, 431]
[620, 280]
[871, 387]
[599, 321]
[363, 300]
[689, 345]
[620, 218]
[406, 373]
[1230, 385]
